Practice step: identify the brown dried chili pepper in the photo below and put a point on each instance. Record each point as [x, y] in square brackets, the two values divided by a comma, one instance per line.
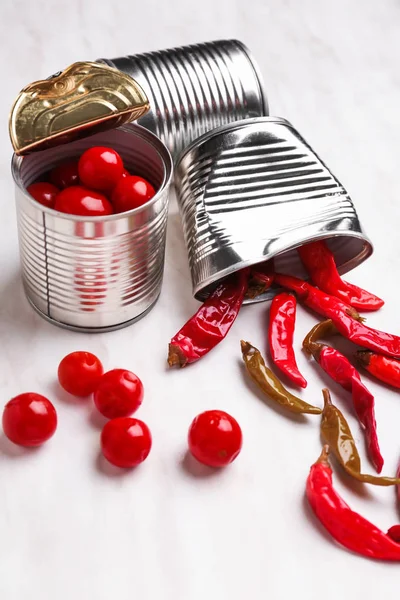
[270, 384]
[324, 329]
[282, 317]
[336, 433]
[346, 526]
[337, 366]
[261, 279]
[321, 266]
[211, 323]
[319, 301]
[382, 367]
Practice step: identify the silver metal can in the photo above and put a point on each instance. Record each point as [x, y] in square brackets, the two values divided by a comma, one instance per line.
[255, 190]
[99, 273]
[194, 89]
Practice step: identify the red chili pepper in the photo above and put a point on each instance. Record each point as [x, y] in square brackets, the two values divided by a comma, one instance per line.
[261, 279]
[382, 367]
[282, 319]
[394, 533]
[322, 303]
[367, 337]
[320, 264]
[211, 323]
[342, 371]
[346, 526]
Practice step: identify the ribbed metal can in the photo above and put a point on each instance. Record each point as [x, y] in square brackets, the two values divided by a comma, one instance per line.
[99, 273]
[255, 190]
[194, 89]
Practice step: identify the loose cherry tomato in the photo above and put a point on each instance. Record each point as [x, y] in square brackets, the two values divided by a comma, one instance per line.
[65, 174]
[77, 200]
[44, 193]
[100, 168]
[79, 373]
[119, 394]
[131, 192]
[125, 442]
[215, 438]
[29, 419]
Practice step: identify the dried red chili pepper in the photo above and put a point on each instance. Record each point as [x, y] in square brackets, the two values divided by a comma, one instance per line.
[322, 303]
[367, 337]
[261, 279]
[342, 371]
[211, 323]
[282, 317]
[346, 526]
[320, 264]
[382, 367]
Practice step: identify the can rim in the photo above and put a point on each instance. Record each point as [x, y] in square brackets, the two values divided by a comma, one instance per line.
[131, 128]
[229, 127]
[259, 77]
[202, 290]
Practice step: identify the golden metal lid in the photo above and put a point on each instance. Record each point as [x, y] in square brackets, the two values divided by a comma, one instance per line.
[83, 99]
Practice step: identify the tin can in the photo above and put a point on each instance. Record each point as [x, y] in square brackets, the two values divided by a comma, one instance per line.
[194, 89]
[101, 273]
[254, 190]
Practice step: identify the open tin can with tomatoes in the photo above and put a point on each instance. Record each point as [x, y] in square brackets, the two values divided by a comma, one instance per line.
[254, 191]
[89, 273]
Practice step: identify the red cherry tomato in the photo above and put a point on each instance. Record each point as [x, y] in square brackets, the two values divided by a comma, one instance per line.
[29, 419]
[77, 200]
[44, 193]
[65, 175]
[125, 442]
[79, 373]
[215, 438]
[131, 192]
[100, 168]
[119, 394]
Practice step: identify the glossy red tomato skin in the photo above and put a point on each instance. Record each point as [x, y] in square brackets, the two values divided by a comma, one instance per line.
[79, 373]
[215, 438]
[131, 192]
[100, 168]
[44, 193]
[125, 442]
[125, 173]
[119, 394]
[78, 200]
[29, 419]
[65, 174]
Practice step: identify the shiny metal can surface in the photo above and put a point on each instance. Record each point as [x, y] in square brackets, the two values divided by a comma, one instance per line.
[255, 190]
[99, 273]
[194, 89]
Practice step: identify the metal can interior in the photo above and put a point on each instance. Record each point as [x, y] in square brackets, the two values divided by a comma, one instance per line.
[254, 190]
[100, 273]
[194, 89]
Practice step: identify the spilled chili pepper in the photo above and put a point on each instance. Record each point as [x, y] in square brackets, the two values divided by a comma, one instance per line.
[270, 384]
[320, 302]
[323, 329]
[346, 526]
[382, 367]
[367, 337]
[394, 533]
[321, 266]
[336, 433]
[211, 323]
[282, 317]
[337, 366]
[261, 279]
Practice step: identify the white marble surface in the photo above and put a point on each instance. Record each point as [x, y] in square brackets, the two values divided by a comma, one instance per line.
[71, 528]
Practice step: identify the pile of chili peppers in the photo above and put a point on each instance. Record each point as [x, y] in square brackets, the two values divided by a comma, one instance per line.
[338, 302]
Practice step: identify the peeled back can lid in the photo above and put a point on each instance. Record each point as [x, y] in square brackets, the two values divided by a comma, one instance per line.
[83, 99]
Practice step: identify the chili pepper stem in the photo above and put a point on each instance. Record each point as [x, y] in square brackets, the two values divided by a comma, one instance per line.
[324, 456]
[327, 397]
[176, 356]
[363, 357]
